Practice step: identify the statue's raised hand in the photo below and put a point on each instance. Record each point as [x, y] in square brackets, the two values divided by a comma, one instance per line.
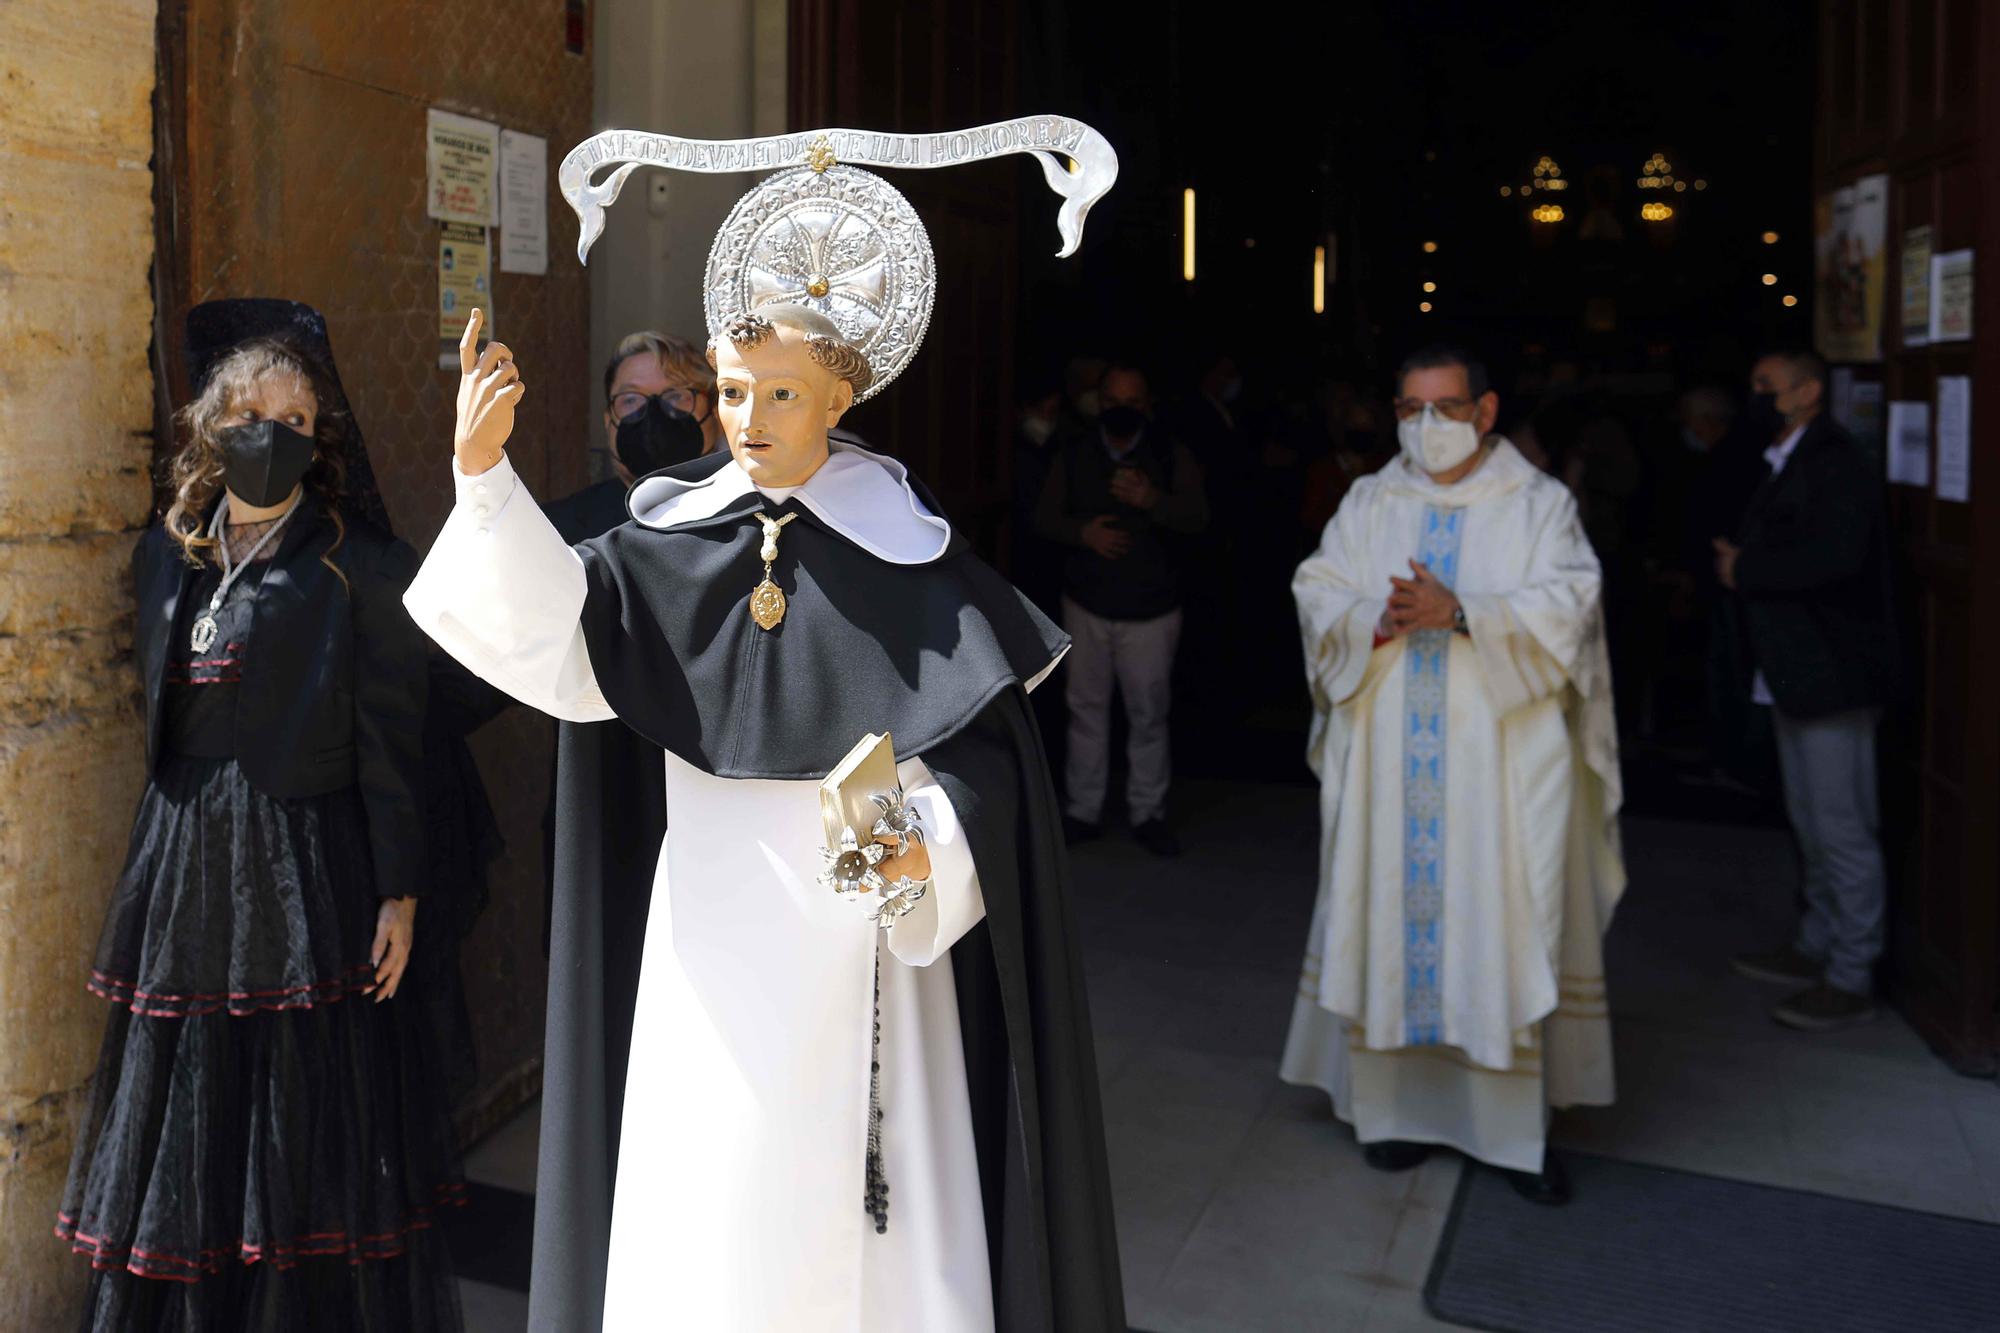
[489, 388]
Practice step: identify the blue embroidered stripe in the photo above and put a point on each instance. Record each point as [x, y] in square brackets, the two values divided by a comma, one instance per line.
[1427, 660]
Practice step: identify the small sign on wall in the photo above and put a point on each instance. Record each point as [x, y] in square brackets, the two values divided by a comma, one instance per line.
[1951, 297]
[465, 281]
[1954, 438]
[524, 203]
[462, 158]
[1916, 286]
[1910, 444]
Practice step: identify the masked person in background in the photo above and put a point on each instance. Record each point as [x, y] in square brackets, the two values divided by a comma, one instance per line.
[659, 410]
[268, 1136]
[1453, 985]
[1112, 493]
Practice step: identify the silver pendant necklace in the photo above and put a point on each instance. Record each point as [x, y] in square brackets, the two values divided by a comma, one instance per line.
[205, 629]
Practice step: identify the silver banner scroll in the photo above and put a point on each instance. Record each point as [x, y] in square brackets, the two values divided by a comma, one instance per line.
[1077, 162]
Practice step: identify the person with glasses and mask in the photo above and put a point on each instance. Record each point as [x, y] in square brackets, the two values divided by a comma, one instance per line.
[1453, 984]
[659, 410]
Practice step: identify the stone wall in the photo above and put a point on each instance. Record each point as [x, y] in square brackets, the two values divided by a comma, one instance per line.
[76, 408]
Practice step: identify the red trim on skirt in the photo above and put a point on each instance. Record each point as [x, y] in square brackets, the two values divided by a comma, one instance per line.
[281, 1255]
[199, 1003]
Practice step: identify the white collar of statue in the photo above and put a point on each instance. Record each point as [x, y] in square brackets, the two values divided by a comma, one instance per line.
[866, 497]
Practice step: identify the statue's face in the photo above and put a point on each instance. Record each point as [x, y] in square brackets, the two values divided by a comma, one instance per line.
[776, 405]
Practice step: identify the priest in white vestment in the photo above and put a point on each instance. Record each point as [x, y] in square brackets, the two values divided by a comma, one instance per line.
[1453, 987]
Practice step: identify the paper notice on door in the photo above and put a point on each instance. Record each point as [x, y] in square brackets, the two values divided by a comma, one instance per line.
[524, 203]
[1954, 438]
[1951, 297]
[1910, 444]
[1916, 286]
[465, 281]
[462, 157]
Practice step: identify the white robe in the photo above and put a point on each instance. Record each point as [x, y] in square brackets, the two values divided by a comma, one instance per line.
[739, 1200]
[1453, 984]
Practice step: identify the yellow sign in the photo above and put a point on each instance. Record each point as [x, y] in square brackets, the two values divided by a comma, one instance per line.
[465, 279]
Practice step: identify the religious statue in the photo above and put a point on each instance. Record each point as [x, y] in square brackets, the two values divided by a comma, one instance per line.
[836, 1117]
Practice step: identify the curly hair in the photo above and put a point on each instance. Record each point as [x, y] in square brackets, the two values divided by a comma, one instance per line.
[195, 472]
[827, 346]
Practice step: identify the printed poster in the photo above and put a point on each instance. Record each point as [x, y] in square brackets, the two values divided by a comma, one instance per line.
[524, 203]
[462, 159]
[465, 280]
[1954, 438]
[1951, 297]
[1910, 444]
[1916, 286]
[1850, 233]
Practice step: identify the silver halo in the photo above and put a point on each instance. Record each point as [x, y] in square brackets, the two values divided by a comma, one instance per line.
[843, 242]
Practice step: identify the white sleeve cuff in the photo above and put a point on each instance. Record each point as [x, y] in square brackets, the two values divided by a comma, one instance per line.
[954, 904]
[485, 495]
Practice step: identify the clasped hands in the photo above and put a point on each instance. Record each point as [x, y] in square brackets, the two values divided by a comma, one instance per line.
[1417, 603]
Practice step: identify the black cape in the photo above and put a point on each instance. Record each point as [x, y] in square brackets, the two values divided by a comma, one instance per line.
[938, 654]
[629, 780]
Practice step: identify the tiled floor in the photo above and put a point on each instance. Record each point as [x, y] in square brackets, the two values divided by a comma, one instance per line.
[1243, 1206]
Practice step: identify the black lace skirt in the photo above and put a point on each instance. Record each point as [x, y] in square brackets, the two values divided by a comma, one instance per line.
[266, 1147]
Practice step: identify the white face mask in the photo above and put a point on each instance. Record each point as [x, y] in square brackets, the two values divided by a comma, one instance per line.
[1435, 443]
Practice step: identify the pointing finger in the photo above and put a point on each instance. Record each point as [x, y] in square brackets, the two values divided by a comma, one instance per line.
[467, 357]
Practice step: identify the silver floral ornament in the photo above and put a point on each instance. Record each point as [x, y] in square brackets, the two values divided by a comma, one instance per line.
[850, 868]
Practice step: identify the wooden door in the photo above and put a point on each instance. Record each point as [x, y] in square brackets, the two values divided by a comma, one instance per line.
[1901, 92]
[914, 68]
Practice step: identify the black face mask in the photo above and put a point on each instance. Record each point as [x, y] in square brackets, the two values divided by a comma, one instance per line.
[1122, 422]
[263, 461]
[1360, 442]
[657, 436]
[1763, 414]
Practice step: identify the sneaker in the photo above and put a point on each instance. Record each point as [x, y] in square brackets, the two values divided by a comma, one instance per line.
[1079, 830]
[1825, 1008]
[1549, 1187]
[1395, 1154]
[1780, 967]
[1157, 838]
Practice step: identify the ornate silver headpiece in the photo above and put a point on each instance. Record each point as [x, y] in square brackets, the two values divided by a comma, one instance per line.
[824, 233]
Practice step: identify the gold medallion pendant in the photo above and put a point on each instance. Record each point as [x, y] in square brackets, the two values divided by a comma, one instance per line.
[767, 605]
[767, 599]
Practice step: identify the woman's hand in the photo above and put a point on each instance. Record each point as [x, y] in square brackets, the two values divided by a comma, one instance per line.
[489, 388]
[395, 932]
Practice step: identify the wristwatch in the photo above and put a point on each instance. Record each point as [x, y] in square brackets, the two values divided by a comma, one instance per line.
[1458, 625]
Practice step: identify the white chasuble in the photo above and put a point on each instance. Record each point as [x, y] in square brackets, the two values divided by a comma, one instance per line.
[1453, 983]
[739, 1205]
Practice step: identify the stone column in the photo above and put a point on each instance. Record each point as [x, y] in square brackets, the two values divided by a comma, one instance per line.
[76, 244]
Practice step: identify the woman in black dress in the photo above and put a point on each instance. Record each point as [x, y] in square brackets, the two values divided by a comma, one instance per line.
[269, 1138]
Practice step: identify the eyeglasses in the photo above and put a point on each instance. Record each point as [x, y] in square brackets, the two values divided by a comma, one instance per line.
[631, 404]
[1458, 409]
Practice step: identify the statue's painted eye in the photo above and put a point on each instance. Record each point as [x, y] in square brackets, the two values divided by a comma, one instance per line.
[783, 395]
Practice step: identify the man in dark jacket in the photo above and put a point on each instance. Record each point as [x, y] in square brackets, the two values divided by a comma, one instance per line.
[1112, 493]
[1811, 565]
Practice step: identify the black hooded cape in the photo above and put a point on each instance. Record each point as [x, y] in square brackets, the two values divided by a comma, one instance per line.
[938, 654]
